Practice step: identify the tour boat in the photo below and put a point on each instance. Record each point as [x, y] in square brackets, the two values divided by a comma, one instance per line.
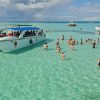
[19, 37]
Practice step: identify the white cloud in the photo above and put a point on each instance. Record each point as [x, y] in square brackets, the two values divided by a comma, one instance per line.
[39, 5]
[91, 8]
[48, 10]
[91, 18]
[32, 4]
[4, 2]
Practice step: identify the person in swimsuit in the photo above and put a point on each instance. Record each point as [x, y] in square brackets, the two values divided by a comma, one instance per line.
[94, 44]
[81, 41]
[57, 43]
[62, 56]
[62, 38]
[58, 49]
[45, 46]
[99, 62]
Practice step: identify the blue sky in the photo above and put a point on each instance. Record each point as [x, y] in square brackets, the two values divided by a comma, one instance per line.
[49, 10]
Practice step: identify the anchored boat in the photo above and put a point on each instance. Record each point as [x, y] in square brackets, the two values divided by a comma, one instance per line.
[71, 24]
[97, 29]
[19, 37]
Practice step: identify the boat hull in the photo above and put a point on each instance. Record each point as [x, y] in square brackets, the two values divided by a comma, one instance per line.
[12, 45]
[97, 28]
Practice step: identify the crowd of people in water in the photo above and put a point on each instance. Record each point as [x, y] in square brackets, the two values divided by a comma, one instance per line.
[72, 42]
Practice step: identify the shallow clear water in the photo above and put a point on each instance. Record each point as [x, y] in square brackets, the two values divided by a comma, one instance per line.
[35, 74]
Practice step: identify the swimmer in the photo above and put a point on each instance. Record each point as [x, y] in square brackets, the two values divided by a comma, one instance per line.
[62, 56]
[98, 40]
[76, 42]
[72, 46]
[57, 43]
[45, 46]
[58, 49]
[62, 38]
[71, 38]
[91, 41]
[99, 62]
[81, 41]
[94, 44]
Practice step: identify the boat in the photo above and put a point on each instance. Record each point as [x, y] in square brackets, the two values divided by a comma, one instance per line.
[19, 37]
[71, 24]
[97, 28]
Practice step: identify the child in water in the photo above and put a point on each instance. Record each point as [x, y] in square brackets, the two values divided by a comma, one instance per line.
[62, 55]
[45, 46]
[99, 62]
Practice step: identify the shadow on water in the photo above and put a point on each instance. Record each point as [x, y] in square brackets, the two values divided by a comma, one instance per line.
[23, 50]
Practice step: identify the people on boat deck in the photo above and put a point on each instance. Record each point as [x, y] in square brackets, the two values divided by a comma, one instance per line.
[10, 34]
[94, 44]
[62, 55]
[99, 61]
[3, 34]
[45, 46]
[62, 37]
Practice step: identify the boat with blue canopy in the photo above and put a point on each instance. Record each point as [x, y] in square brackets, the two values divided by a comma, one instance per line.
[19, 37]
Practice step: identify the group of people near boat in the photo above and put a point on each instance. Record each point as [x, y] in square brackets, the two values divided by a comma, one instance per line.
[72, 42]
[58, 48]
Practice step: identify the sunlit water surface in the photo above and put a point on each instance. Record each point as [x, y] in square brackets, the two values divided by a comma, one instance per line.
[33, 73]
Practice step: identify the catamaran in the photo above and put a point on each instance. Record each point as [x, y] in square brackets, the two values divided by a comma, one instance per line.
[19, 37]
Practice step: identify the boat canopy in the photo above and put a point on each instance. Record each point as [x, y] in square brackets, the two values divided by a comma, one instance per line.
[23, 28]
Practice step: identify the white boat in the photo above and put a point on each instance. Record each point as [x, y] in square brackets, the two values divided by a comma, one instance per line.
[97, 28]
[19, 37]
[71, 24]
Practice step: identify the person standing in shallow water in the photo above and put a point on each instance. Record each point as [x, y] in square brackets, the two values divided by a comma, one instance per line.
[62, 37]
[45, 46]
[94, 44]
[58, 49]
[62, 56]
[57, 43]
[98, 40]
[81, 41]
[99, 62]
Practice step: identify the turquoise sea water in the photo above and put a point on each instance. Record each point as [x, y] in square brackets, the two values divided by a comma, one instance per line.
[35, 74]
